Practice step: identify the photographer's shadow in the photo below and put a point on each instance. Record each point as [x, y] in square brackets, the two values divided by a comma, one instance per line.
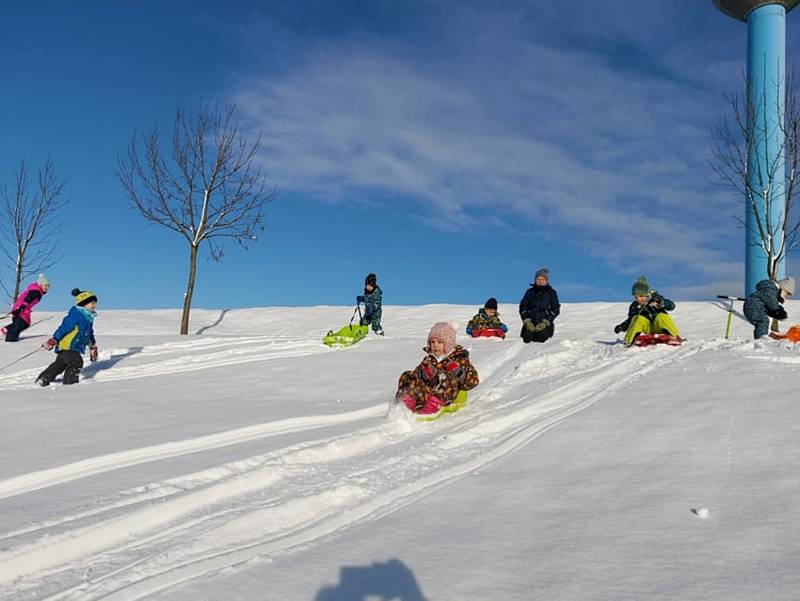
[91, 370]
[389, 581]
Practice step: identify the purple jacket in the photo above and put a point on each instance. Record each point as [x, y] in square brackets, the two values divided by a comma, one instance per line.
[26, 300]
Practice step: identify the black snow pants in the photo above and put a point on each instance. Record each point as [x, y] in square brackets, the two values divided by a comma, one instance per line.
[70, 362]
[15, 328]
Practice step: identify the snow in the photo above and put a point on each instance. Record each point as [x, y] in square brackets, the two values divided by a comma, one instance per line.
[249, 461]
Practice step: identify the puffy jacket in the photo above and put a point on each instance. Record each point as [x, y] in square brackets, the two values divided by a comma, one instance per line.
[372, 304]
[653, 306]
[445, 377]
[482, 321]
[539, 302]
[75, 331]
[26, 301]
[765, 300]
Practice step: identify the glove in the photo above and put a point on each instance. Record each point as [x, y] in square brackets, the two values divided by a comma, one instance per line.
[49, 344]
[427, 373]
[619, 328]
[93, 353]
[361, 299]
[528, 323]
[455, 369]
[17, 311]
[542, 325]
[779, 313]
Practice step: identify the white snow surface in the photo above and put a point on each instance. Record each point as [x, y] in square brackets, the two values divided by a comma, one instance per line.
[249, 461]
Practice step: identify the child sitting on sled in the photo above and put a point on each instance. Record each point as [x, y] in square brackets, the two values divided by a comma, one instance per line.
[647, 314]
[70, 340]
[487, 319]
[445, 370]
[765, 303]
[373, 303]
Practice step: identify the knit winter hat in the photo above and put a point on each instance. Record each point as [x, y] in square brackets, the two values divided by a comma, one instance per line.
[490, 304]
[446, 333]
[641, 287]
[543, 271]
[787, 284]
[83, 297]
[371, 280]
[42, 280]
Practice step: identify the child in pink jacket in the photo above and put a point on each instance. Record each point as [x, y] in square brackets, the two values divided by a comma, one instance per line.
[21, 310]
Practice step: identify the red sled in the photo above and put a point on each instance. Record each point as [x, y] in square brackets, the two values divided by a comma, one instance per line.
[488, 333]
[650, 339]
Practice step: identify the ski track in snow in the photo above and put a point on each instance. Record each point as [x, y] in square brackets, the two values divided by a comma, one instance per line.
[186, 356]
[161, 534]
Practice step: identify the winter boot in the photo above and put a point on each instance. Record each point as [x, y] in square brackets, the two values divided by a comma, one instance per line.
[72, 375]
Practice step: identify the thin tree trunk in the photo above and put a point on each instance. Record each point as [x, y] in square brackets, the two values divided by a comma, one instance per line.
[187, 299]
[17, 282]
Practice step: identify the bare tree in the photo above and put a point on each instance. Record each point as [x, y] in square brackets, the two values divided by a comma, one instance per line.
[768, 187]
[205, 187]
[28, 233]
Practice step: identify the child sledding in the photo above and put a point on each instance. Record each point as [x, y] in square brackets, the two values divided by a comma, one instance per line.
[487, 322]
[437, 381]
[648, 320]
[70, 340]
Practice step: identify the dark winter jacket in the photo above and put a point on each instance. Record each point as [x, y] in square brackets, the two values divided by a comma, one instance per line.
[539, 302]
[763, 303]
[483, 321]
[75, 331]
[442, 378]
[653, 306]
[373, 307]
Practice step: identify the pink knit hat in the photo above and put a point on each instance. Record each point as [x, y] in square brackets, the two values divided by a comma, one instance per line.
[443, 331]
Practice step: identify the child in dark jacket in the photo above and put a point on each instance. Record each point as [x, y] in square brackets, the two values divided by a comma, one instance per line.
[647, 314]
[445, 370]
[373, 304]
[21, 310]
[765, 303]
[487, 318]
[539, 308]
[70, 340]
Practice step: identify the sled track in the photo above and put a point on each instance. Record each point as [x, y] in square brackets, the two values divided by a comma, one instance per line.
[179, 357]
[272, 503]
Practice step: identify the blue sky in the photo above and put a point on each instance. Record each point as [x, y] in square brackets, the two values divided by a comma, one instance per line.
[450, 147]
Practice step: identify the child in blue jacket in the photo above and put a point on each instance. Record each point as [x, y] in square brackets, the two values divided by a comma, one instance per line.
[373, 303]
[70, 340]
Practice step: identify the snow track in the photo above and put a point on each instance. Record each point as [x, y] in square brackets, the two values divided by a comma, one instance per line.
[130, 546]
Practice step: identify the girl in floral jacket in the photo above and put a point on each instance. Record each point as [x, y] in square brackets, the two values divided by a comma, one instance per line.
[445, 370]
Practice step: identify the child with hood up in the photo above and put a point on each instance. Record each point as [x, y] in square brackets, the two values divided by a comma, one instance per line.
[445, 370]
[647, 314]
[21, 310]
[373, 304]
[765, 303]
[487, 318]
[70, 340]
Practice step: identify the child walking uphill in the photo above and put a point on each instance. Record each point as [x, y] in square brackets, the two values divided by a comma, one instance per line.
[70, 340]
[445, 370]
[372, 299]
[22, 308]
[765, 302]
[647, 314]
[487, 318]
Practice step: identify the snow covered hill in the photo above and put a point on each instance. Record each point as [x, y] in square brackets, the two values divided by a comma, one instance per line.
[249, 461]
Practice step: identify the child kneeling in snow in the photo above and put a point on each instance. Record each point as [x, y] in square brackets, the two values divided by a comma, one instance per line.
[487, 318]
[70, 340]
[647, 314]
[445, 370]
[766, 302]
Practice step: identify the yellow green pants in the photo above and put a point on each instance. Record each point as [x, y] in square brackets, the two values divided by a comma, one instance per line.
[661, 323]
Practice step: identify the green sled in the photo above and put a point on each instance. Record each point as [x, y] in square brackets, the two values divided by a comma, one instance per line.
[458, 403]
[347, 336]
